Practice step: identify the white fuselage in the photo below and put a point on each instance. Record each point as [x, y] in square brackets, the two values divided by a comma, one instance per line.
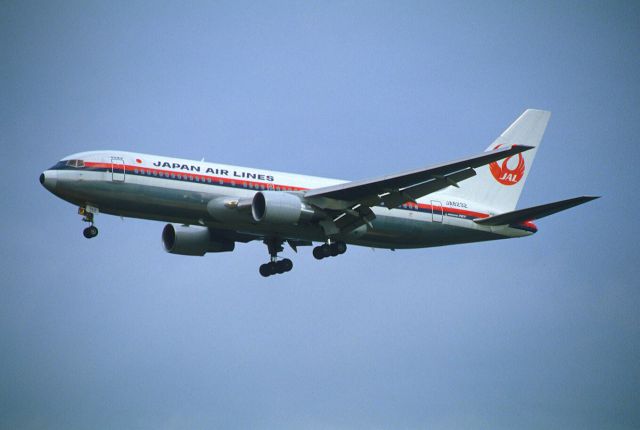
[177, 190]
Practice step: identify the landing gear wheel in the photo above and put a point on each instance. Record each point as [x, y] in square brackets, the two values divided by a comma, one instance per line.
[275, 266]
[287, 264]
[87, 216]
[332, 249]
[90, 232]
[265, 270]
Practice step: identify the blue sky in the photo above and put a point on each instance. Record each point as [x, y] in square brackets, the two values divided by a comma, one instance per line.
[541, 332]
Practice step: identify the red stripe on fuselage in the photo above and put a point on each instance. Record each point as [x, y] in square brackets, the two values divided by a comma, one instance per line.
[215, 180]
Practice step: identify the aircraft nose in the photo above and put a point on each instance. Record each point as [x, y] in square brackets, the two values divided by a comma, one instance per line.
[49, 179]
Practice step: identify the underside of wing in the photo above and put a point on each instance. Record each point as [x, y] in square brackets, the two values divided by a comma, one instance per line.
[394, 190]
[349, 205]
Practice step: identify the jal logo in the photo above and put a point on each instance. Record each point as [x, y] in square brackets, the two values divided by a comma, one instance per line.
[505, 172]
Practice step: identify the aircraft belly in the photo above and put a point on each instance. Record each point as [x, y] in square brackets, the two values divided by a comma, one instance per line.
[401, 233]
[188, 205]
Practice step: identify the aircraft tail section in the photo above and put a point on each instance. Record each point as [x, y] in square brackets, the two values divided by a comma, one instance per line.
[533, 213]
[498, 185]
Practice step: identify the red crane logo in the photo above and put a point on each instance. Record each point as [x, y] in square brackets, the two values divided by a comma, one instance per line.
[503, 174]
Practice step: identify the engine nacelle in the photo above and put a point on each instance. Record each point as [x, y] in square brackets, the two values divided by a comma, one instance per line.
[193, 240]
[274, 207]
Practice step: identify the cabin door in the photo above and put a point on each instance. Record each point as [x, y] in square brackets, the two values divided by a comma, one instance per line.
[436, 211]
[117, 169]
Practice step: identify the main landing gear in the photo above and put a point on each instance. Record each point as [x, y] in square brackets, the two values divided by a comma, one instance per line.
[330, 249]
[87, 216]
[275, 266]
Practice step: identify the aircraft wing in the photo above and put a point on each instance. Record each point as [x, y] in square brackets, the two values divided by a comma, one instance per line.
[535, 212]
[394, 190]
[350, 204]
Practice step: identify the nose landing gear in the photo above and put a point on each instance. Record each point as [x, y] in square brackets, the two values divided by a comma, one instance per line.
[87, 216]
[275, 266]
[90, 232]
[331, 249]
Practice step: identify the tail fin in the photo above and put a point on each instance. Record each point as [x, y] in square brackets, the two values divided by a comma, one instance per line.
[498, 185]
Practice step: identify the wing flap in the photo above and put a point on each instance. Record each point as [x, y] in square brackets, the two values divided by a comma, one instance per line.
[535, 212]
[410, 194]
[351, 219]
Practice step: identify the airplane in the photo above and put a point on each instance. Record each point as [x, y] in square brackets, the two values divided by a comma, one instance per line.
[210, 207]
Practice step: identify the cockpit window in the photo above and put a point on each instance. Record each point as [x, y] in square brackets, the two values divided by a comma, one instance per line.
[75, 163]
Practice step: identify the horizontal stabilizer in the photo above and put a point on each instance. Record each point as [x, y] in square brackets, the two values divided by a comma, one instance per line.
[532, 213]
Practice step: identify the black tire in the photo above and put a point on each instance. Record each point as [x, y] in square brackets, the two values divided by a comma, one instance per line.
[326, 250]
[341, 247]
[317, 253]
[334, 250]
[280, 267]
[287, 264]
[265, 270]
[273, 268]
[90, 232]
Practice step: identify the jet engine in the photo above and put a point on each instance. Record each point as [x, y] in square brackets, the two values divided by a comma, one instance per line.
[273, 207]
[193, 240]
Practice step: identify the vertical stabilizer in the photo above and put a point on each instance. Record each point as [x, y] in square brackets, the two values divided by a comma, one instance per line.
[499, 184]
